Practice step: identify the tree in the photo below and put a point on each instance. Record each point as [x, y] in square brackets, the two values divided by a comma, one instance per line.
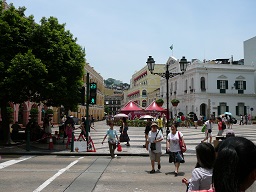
[38, 62]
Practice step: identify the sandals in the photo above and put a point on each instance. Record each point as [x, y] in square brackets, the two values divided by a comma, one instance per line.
[152, 171]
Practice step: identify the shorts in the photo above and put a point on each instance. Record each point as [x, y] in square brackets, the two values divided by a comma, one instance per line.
[208, 134]
[154, 156]
[176, 157]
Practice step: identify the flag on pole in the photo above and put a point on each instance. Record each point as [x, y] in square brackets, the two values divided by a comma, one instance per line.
[171, 47]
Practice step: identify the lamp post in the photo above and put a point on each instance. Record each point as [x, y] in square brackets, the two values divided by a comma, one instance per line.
[183, 66]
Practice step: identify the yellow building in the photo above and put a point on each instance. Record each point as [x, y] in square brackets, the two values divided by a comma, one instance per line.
[142, 84]
[97, 111]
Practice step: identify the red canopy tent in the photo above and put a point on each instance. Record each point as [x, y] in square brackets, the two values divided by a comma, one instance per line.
[153, 108]
[132, 109]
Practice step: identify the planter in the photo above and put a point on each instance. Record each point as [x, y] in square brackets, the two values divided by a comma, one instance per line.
[175, 104]
[160, 104]
[50, 115]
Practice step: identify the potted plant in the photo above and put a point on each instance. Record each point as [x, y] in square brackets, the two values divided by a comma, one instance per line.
[160, 102]
[33, 113]
[49, 112]
[175, 102]
[10, 114]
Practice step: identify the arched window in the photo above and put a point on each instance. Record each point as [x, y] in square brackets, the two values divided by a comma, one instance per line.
[202, 83]
[144, 93]
[144, 103]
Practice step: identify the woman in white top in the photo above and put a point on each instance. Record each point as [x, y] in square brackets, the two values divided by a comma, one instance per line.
[155, 137]
[173, 147]
[202, 174]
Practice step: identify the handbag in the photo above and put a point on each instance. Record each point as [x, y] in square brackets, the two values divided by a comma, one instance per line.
[119, 147]
[203, 128]
[182, 144]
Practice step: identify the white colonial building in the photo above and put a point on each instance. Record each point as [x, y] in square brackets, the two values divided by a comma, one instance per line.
[214, 87]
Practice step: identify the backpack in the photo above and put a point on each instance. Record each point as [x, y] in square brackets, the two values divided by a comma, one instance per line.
[223, 125]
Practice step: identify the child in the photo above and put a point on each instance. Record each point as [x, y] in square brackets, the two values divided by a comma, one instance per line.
[112, 139]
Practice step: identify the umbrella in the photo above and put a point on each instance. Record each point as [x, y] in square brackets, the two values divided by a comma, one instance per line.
[146, 117]
[228, 113]
[120, 115]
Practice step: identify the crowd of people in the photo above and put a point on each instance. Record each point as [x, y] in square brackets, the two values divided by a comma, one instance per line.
[228, 167]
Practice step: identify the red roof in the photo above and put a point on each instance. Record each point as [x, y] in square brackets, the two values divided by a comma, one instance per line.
[133, 93]
[131, 106]
[135, 79]
[154, 107]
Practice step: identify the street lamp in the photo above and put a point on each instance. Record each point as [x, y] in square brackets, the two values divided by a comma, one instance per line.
[183, 66]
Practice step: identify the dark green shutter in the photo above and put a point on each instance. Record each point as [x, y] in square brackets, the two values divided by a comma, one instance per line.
[219, 110]
[227, 108]
[218, 84]
[245, 110]
[226, 84]
[236, 84]
[244, 85]
[237, 112]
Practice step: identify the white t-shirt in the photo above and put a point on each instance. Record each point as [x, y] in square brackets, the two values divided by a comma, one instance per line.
[201, 179]
[208, 124]
[151, 139]
[174, 141]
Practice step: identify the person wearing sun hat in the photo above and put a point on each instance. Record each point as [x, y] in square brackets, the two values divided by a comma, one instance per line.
[154, 139]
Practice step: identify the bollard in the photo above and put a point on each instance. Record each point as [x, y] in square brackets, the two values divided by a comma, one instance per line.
[28, 141]
[72, 141]
[50, 143]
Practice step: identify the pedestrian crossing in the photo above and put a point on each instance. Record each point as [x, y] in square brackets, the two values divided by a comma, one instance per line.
[191, 136]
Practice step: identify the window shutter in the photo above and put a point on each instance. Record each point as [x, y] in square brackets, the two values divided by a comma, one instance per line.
[237, 110]
[244, 85]
[236, 84]
[219, 110]
[226, 84]
[227, 108]
[245, 110]
[218, 84]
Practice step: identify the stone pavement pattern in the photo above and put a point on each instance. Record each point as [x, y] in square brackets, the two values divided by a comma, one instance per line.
[192, 138]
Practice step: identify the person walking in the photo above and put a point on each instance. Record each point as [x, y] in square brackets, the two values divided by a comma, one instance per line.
[112, 139]
[173, 147]
[160, 123]
[241, 120]
[220, 126]
[147, 129]
[124, 137]
[68, 131]
[208, 130]
[202, 174]
[153, 145]
[195, 120]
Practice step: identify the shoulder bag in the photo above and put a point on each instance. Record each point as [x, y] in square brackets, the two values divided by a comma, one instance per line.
[153, 145]
[183, 146]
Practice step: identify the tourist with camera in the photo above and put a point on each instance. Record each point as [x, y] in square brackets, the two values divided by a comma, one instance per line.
[154, 147]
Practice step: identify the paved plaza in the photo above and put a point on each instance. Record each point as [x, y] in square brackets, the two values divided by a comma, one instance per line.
[128, 172]
[192, 137]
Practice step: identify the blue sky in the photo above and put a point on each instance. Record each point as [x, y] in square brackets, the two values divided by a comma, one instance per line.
[119, 35]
